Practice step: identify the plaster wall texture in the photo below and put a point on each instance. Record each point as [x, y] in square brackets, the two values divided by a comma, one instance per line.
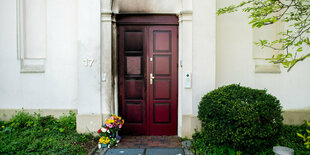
[235, 63]
[89, 99]
[35, 34]
[204, 50]
[57, 87]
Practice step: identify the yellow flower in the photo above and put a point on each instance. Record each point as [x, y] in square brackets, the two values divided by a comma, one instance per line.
[101, 140]
[109, 121]
[104, 140]
[3, 126]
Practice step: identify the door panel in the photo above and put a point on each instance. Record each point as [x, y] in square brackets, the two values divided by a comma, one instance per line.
[163, 90]
[148, 105]
[162, 65]
[132, 47]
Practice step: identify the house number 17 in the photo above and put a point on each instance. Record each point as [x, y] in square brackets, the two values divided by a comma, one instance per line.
[88, 62]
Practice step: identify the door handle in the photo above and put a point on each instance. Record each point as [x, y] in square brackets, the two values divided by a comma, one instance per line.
[151, 78]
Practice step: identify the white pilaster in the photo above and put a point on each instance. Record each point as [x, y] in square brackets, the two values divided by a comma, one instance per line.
[185, 62]
[89, 116]
[185, 57]
[106, 58]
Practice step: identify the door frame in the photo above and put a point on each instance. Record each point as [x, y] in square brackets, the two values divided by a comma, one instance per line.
[144, 20]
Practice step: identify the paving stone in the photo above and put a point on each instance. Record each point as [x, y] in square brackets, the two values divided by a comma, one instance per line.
[125, 152]
[101, 151]
[164, 151]
[188, 152]
[187, 144]
[149, 142]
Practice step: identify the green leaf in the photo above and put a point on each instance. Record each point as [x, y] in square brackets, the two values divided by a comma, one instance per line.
[300, 135]
[299, 49]
[61, 129]
[293, 62]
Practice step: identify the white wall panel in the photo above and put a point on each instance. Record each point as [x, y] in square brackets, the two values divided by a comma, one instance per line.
[57, 87]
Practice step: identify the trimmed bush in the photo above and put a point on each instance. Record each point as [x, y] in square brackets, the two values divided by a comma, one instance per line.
[241, 118]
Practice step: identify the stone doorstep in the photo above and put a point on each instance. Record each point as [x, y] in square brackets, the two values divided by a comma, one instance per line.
[149, 142]
[142, 151]
[148, 145]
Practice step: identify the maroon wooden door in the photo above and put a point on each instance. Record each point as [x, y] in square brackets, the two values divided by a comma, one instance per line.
[132, 75]
[148, 78]
[162, 69]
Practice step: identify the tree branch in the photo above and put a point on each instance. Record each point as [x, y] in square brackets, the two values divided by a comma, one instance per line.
[297, 60]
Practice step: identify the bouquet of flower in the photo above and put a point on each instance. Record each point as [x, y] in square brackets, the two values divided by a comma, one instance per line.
[108, 131]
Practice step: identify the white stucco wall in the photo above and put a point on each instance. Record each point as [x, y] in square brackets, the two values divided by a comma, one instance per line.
[217, 50]
[235, 64]
[89, 99]
[204, 49]
[57, 87]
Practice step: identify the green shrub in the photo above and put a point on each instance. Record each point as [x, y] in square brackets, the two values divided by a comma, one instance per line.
[305, 137]
[46, 121]
[67, 123]
[287, 138]
[35, 134]
[290, 139]
[201, 146]
[240, 118]
[22, 120]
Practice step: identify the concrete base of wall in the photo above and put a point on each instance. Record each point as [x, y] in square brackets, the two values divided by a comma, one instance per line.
[86, 123]
[291, 117]
[189, 124]
[296, 117]
[6, 114]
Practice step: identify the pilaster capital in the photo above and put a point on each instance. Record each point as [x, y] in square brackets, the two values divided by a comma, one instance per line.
[185, 15]
[106, 16]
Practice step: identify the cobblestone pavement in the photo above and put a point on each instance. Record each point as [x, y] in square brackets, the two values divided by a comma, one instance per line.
[147, 145]
[149, 142]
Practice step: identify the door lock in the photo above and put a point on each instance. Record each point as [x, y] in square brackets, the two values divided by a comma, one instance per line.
[151, 78]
